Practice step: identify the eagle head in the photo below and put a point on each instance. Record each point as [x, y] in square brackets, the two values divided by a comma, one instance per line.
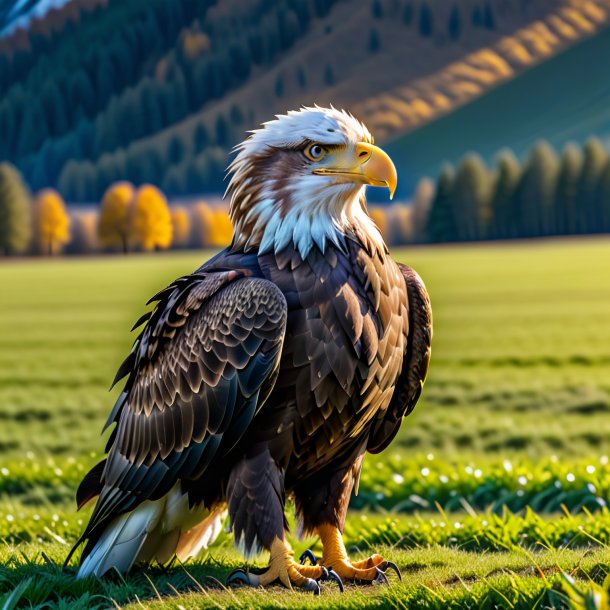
[299, 181]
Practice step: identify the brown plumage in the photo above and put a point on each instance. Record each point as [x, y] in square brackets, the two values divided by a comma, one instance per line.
[271, 370]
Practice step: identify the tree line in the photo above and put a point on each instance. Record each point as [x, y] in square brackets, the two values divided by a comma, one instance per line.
[547, 194]
[127, 219]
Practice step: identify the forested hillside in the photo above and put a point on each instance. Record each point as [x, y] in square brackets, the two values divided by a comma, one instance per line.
[156, 91]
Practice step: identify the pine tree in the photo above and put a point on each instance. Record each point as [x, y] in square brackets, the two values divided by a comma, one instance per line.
[373, 41]
[222, 131]
[426, 23]
[441, 222]
[175, 150]
[604, 198]
[471, 198]
[595, 157]
[567, 190]
[33, 131]
[301, 77]
[407, 14]
[503, 202]
[54, 110]
[488, 17]
[454, 25]
[200, 138]
[536, 192]
[376, 9]
[15, 211]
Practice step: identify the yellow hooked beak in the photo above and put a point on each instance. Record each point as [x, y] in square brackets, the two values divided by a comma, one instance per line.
[364, 164]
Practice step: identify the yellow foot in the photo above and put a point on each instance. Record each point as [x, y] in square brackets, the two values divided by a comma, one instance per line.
[282, 568]
[335, 559]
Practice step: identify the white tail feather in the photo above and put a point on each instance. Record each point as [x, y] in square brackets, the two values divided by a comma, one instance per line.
[154, 531]
[122, 540]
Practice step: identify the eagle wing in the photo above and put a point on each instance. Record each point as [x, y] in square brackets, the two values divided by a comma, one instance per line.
[199, 371]
[415, 363]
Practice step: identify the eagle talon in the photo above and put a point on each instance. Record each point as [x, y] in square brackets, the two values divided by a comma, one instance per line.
[390, 565]
[239, 576]
[308, 554]
[332, 575]
[381, 577]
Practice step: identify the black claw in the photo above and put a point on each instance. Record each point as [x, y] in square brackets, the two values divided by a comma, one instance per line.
[381, 577]
[332, 575]
[324, 575]
[237, 577]
[390, 565]
[313, 586]
[308, 554]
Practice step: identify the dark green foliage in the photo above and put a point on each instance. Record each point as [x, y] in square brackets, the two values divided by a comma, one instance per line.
[503, 221]
[567, 190]
[301, 77]
[407, 14]
[373, 41]
[15, 221]
[477, 16]
[441, 223]
[175, 150]
[377, 9]
[237, 118]
[200, 138]
[33, 129]
[547, 196]
[603, 197]
[119, 75]
[426, 21]
[222, 131]
[536, 192]
[289, 28]
[471, 198]
[454, 25]
[595, 157]
[488, 16]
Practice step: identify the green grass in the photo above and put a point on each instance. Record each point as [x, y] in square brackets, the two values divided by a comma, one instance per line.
[495, 487]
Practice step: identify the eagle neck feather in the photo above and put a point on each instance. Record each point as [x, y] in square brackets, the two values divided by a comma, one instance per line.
[269, 218]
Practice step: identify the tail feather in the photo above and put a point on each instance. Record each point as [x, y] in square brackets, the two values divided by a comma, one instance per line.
[121, 541]
[153, 531]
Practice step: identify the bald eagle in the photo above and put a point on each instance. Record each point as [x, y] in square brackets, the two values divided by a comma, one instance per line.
[270, 371]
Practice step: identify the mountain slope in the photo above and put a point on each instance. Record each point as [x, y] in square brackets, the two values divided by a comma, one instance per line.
[147, 90]
[567, 98]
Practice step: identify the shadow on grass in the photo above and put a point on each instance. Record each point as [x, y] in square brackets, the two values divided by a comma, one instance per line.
[40, 582]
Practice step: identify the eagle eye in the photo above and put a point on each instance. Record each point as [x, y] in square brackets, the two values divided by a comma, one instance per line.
[314, 152]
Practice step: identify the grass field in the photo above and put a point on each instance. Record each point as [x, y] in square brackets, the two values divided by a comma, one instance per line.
[495, 489]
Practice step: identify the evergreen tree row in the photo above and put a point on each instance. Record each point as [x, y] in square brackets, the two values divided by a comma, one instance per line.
[546, 195]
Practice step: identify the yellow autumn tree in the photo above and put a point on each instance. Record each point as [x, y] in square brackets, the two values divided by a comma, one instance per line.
[222, 229]
[211, 227]
[51, 222]
[181, 225]
[380, 219]
[151, 221]
[114, 228]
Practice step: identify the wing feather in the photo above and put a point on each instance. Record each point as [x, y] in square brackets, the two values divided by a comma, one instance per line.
[199, 371]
